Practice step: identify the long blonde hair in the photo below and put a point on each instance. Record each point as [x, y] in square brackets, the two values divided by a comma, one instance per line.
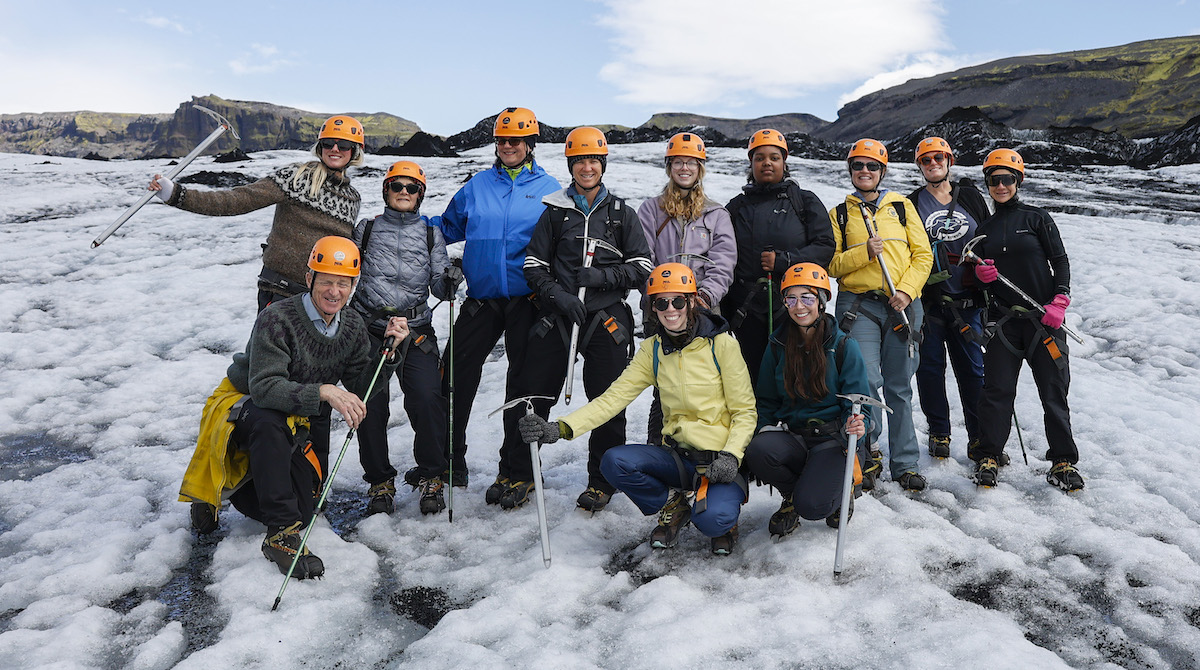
[315, 172]
[685, 205]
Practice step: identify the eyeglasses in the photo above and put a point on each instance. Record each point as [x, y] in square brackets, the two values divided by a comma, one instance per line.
[807, 299]
[396, 187]
[327, 144]
[871, 165]
[936, 157]
[510, 141]
[1000, 179]
[680, 164]
[678, 302]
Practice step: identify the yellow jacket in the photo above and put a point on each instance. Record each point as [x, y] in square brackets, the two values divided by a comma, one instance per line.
[905, 248]
[705, 407]
[216, 469]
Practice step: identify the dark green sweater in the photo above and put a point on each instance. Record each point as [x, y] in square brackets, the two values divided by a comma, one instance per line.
[287, 359]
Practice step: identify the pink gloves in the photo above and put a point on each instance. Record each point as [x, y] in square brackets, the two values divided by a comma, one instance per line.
[985, 271]
[1056, 311]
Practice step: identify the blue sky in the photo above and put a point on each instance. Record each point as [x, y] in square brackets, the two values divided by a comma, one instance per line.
[445, 65]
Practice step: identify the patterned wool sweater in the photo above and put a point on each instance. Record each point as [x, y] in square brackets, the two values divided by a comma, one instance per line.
[287, 359]
[300, 220]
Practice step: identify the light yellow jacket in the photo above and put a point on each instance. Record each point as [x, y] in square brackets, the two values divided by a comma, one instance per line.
[905, 248]
[704, 407]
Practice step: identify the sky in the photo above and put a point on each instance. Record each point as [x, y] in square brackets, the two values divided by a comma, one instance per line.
[446, 65]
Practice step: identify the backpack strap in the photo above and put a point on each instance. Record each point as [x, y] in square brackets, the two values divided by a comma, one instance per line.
[898, 206]
[362, 249]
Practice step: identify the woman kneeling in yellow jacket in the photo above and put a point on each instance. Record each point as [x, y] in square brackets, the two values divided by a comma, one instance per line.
[708, 418]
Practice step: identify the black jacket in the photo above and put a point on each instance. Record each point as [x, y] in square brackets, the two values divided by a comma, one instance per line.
[1025, 244]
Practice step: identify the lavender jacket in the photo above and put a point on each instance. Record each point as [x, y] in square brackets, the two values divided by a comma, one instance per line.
[710, 235]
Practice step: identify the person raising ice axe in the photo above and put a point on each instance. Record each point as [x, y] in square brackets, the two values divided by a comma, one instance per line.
[882, 259]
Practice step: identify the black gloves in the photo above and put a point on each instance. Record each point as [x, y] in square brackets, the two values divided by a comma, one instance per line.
[568, 305]
[591, 277]
[454, 277]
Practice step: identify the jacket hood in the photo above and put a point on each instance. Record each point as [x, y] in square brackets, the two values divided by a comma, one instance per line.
[780, 333]
[562, 198]
[708, 325]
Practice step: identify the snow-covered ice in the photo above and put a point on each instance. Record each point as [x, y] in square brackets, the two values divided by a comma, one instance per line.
[108, 355]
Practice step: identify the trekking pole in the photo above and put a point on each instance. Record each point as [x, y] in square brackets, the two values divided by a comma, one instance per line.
[590, 244]
[887, 280]
[1020, 438]
[770, 299]
[174, 172]
[388, 346]
[857, 400]
[536, 460]
[450, 412]
[968, 253]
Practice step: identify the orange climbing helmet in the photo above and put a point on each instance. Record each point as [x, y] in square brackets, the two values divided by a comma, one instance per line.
[405, 169]
[1004, 158]
[335, 255]
[807, 274]
[515, 122]
[585, 141]
[671, 278]
[868, 148]
[931, 144]
[767, 137]
[342, 127]
[688, 145]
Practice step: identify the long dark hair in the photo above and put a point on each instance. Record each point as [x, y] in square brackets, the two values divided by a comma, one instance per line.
[804, 362]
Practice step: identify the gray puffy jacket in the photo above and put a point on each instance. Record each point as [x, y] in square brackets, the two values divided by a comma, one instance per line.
[400, 267]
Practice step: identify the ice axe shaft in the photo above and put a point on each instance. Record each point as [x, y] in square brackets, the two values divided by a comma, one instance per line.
[857, 401]
[388, 347]
[968, 254]
[887, 280]
[535, 457]
[174, 172]
[590, 244]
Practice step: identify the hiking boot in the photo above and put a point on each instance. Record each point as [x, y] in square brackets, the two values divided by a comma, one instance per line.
[1065, 476]
[872, 469]
[493, 493]
[461, 476]
[833, 520]
[973, 454]
[912, 481]
[204, 517]
[280, 547]
[723, 545]
[671, 519]
[986, 471]
[785, 520]
[381, 498]
[516, 494]
[939, 446]
[432, 501]
[593, 499]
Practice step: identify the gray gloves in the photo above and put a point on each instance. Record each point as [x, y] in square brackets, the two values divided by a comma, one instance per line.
[454, 277]
[534, 428]
[723, 469]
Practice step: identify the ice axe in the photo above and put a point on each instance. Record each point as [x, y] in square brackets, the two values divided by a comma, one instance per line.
[141, 202]
[539, 494]
[887, 280]
[590, 244]
[968, 254]
[857, 400]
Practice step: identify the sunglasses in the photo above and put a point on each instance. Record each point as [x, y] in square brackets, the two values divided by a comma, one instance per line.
[871, 166]
[396, 187]
[328, 144]
[807, 299]
[510, 141]
[678, 302]
[929, 159]
[1000, 179]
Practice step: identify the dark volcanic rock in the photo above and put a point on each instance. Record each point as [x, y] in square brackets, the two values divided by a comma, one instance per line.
[421, 144]
[217, 179]
[480, 135]
[93, 156]
[236, 155]
[803, 145]
[1178, 147]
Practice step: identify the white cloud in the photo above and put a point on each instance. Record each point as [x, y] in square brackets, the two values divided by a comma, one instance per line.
[923, 65]
[163, 22]
[263, 59]
[692, 52]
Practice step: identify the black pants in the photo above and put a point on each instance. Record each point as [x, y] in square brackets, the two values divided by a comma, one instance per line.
[476, 331]
[752, 336]
[603, 361]
[282, 483]
[421, 382]
[1001, 369]
[810, 469]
